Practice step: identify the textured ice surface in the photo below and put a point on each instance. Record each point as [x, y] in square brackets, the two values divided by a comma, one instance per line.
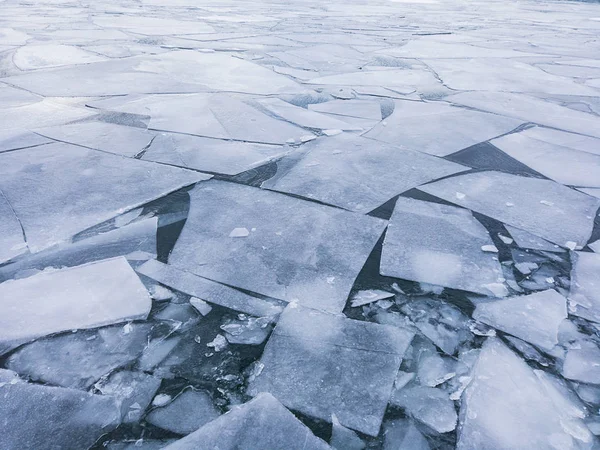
[438, 128]
[298, 251]
[583, 364]
[542, 207]
[428, 405]
[363, 109]
[259, 424]
[401, 434]
[321, 364]
[343, 438]
[525, 239]
[16, 139]
[59, 190]
[31, 57]
[584, 297]
[507, 407]
[535, 318]
[12, 242]
[87, 296]
[355, 173]
[35, 417]
[441, 245]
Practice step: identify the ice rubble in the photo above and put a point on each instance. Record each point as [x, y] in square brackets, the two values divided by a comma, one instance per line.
[59, 190]
[259, 424]
[438, 128]
[321, 364]
[100, 293]
[542, 207]
[355, 173]
[296, 251]
[584, 297]
[417, 247]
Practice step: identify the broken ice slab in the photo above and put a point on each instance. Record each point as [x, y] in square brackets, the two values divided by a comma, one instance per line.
[304, 117]
[36, 417]
[547, 209]
[78, 360]
[401, 434]
[296, 250]
[139, 444]
[186, 413]
[530, 109]
[343, 438]
[595, 246]
[150, 26]
[211, 155]
[369, 296]
[261, 423]
[12, 240]
[584, 297]
[525, 239]
[594, 192]
[362, 109]
[209, 115]
[58, 190]
[122, 140]
[134, 391]
[438, 128]
[210, 291]
[571, 140]
[100, 293]
[535, 318]
[321, 364]
[17, 139]
[431, 406]
[424, 48]
[43, 113]
[560, 163]
[136, 241]
[357, 174]
[506, 406]
[583, 363]
[441, 245]
[172, 72]
[42, 56]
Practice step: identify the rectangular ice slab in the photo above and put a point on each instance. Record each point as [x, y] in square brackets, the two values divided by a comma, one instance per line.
[262, 423]
[535, 318]
[36, 417]
[321, 364]
[542, 207]
[438, 128]
[584, 298]
[357, 174]
[507, 407]
[291, 249]
[58, 190]
[86, 296]
[209, 291]
[441, 245]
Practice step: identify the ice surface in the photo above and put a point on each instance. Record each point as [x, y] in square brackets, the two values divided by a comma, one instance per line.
[211, 155]
[535, 318]
[542, 207]
[438, 128]
[209, 291]
[441, 245]
[58, 190]
[78, 360]
[35, 417]
[583, 364]
[41, 113]
[321, 364]
[369, 296]
[584, 297]
[524, 239]
[151, 25]
[186, 413]
[299, 251]
[428, 405]
[558, 162]
[507, 407]
[31, 57]
[401, 434]
[357, 174]
[343, 438]
[16, 139]
[363, 109]
[86, 296]
[12, 242]
[259, 424]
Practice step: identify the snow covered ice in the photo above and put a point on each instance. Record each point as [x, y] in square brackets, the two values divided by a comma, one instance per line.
[296, 224]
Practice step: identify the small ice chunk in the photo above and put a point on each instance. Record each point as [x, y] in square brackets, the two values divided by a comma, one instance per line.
[343, 438]
[201, 306]
[584, 297]
[583, 364]
[428, 405]
[161, 400]
[160, 293]
[489, 248]
[239, 232]
[526, 267]
[247, 330]
[505, 239]
[186, 413]
[365, 297]
[535, 318]
[219, 343]
[401, 434]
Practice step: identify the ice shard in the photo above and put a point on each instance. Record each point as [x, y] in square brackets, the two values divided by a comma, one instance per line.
[584, 297]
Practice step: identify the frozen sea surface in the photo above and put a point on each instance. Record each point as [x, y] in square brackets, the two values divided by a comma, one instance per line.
[295, 224]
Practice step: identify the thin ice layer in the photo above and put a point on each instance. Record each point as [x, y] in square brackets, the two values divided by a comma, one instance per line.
[86, 296]
[525, 239]
[438, 128]
[584, 297]
[293, 250]
[507, 407]
[259, 424]
[441, 245]
[36, 417]
[58, 190]
[542, 207]
[321, 364]
[357, 174]
[535, 318]
[12, 242]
